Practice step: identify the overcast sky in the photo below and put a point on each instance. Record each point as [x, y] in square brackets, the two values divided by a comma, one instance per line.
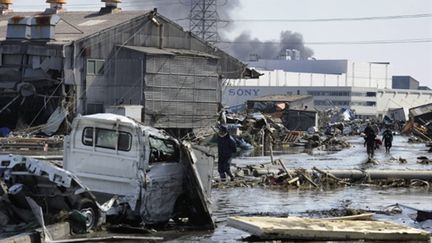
[413, 59]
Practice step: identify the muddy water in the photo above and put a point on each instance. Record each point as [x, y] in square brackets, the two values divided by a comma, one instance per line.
[261, 201]
[352, 158]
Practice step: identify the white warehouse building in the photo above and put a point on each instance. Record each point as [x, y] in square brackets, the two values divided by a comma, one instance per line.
[364, 87]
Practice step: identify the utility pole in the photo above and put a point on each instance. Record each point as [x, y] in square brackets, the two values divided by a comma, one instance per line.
[204, 20]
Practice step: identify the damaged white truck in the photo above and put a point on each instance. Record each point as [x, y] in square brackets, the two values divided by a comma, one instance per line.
[146, 176]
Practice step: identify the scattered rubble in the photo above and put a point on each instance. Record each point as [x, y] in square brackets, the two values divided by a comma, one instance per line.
[277, 176]
[424, 160]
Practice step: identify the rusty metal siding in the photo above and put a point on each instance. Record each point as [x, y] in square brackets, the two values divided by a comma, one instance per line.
[181, 92]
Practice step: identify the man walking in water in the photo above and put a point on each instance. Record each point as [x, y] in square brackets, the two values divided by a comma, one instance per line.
[370, 141]
[388, 139]
[226, 148]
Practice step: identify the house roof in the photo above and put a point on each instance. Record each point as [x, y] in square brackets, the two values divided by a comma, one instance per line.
[76, 25]
[280, 98]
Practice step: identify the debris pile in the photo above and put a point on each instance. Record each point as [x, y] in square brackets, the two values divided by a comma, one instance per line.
[420, 124]
[326, 143]
[278, 176]
[36, 193]
[31, 145]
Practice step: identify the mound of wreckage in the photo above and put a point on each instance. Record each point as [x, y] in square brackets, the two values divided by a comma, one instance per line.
[419, 126]
[114, 171]
[277, 176]
[253, 130]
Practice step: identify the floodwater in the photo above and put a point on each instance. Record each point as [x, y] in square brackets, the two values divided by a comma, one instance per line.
[353, 158]
[261, 201]
[270, 202]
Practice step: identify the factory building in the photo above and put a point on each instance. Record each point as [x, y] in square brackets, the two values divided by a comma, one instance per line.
[363, 87]
[70, 63]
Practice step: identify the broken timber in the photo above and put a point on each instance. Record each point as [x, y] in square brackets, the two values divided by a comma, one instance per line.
[382, 174]
[295, 228]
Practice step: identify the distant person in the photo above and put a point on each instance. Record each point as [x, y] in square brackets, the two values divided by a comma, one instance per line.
[226, 149]
[388, 139]
[370, 142]
[4, 132]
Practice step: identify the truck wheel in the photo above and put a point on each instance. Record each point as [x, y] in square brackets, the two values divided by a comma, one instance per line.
[90, 210]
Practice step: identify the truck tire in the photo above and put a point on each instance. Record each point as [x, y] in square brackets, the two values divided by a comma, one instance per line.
[90, 210]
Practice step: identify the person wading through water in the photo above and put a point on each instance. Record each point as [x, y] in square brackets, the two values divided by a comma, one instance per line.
[388, 139]
[226, 149]
[370, 141]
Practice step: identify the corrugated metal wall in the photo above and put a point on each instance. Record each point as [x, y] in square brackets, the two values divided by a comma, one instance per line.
[127, 82]
[181, 91]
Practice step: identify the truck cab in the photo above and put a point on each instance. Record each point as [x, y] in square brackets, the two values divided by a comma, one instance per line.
[149, 172]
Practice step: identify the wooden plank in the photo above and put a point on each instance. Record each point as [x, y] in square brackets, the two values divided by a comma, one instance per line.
[295, 228]
[363, 216]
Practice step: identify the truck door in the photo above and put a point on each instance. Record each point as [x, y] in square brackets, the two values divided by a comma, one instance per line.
[106, 160]
[164, 180]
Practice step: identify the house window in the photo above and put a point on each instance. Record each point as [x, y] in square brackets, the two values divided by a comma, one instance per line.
[162, 150]
[95, 67]
[106, 138]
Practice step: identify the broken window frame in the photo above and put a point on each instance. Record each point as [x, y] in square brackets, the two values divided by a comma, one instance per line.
[98, 68]
[174, 157]
[96, 131]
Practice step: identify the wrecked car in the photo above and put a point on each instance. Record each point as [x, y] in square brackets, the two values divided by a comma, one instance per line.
[138, 174]
[154, 177]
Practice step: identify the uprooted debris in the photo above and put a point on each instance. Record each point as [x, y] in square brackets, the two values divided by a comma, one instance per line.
[278, 176]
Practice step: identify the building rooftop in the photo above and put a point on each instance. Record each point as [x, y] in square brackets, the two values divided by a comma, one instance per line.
[303, 66]
[281, 98]
[76, 25]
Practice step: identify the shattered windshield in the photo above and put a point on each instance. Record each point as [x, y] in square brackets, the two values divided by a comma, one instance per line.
[163, 150]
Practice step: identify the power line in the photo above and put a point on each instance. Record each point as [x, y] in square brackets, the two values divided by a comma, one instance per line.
[371, 42]
[409, 16]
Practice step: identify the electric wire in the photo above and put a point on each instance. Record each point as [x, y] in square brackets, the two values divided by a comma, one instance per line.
[365, 42]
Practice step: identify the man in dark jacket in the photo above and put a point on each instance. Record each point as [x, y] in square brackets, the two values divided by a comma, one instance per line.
[226, 148]
[370, 141]
[388, 139]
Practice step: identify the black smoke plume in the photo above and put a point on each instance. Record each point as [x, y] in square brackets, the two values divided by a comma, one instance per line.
[244, 46]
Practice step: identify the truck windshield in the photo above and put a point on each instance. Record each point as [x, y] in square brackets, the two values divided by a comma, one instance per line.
[163, 150]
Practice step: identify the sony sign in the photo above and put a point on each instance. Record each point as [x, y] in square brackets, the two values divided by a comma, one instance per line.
[243, 92]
